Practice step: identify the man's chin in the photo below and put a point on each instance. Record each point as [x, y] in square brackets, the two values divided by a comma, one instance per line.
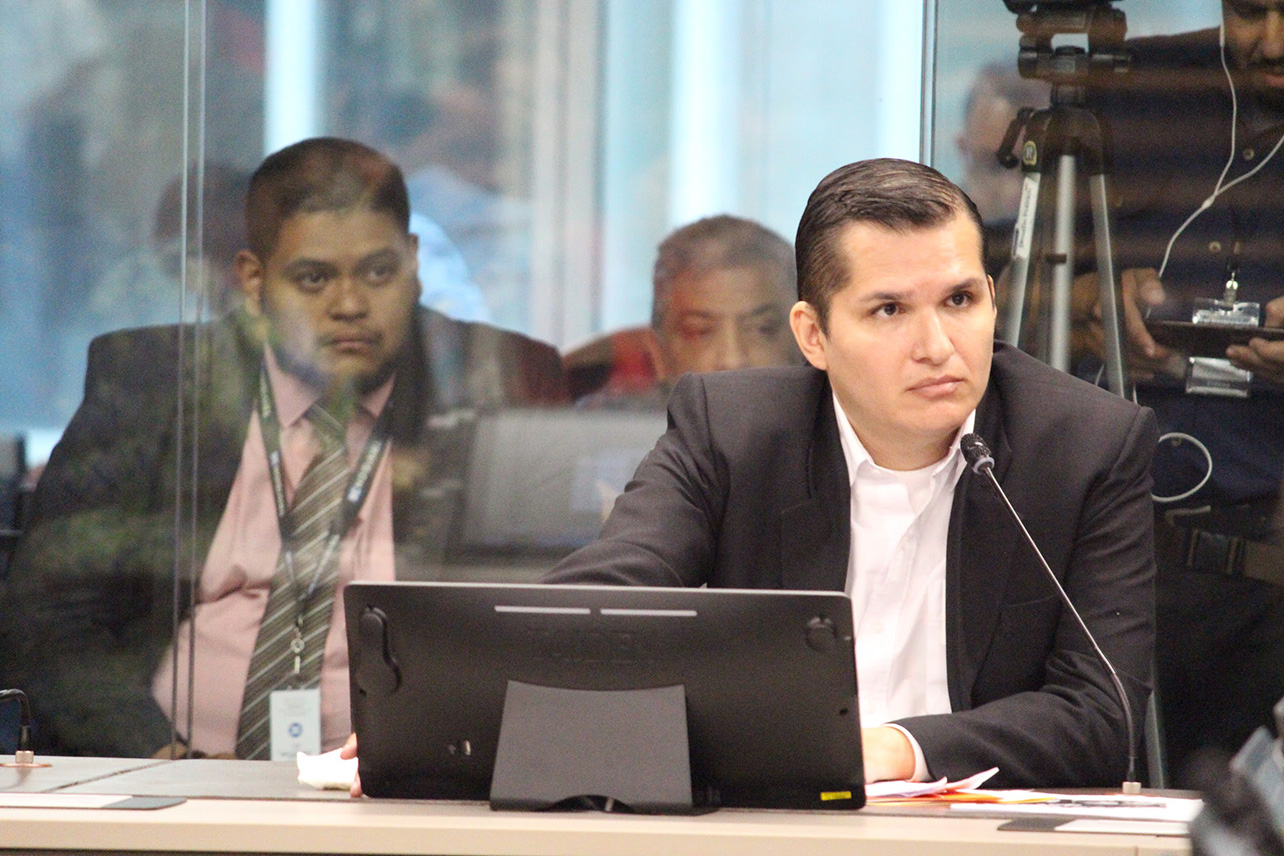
[1268, 90]
[357, 380]
[342, 378]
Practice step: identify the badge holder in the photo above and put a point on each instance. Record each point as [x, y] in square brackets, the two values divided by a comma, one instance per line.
[627, 747]
[1212, 376]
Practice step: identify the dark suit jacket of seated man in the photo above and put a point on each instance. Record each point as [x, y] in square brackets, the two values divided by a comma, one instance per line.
[92, 585]
[749, 488]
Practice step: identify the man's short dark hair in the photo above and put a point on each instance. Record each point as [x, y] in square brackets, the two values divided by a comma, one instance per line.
[896, 194]
[719, 243]
[321, 174]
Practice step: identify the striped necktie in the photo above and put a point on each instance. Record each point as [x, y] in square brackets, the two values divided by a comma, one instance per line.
[278, 659]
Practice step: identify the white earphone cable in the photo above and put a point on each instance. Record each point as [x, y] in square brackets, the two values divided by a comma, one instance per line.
[1221, 188]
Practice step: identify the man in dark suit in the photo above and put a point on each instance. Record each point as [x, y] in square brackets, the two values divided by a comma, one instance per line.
[847, 475]
[154, 535]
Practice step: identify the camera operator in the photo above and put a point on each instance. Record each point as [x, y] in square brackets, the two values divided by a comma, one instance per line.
[1196, 128]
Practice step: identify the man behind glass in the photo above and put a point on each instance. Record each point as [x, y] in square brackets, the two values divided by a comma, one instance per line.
[1197, 125]
[722, 287]
[330, 378]
[847, 475]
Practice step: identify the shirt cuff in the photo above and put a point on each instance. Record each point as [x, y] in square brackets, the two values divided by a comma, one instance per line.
[920, 765]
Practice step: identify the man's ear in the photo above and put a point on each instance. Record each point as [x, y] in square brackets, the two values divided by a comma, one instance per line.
[413, 241]
[805, 322]
[249, 270]
[994, 303]
[659, 354]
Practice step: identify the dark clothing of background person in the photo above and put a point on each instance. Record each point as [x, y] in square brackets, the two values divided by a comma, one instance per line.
[1220, 644]
[749, 489]
[92, 589]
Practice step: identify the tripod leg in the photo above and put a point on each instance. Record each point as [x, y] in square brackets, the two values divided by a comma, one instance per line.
[1062, 263]
[1019, 270]
[1116, 356]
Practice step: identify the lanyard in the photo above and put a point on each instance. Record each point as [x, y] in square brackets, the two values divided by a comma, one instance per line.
[353, 498]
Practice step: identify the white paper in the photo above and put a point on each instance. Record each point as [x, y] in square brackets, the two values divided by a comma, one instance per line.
[1124, 827]
[898, 789]
[1113, 806]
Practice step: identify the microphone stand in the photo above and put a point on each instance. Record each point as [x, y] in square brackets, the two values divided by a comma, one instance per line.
[979, 459]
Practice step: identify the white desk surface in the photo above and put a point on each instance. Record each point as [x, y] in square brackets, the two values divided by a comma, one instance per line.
[289, 823]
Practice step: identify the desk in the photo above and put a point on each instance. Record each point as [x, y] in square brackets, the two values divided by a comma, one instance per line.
[281, 817]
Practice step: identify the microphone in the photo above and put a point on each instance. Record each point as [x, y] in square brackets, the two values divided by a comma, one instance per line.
[981, 462]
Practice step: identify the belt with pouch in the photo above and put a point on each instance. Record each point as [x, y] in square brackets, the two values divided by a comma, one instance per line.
[1202, 541]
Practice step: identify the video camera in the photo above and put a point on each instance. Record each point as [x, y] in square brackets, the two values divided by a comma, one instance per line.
[1041, 20]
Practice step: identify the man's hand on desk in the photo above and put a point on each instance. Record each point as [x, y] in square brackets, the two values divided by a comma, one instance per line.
[348, 752]
[887, 752]
[1264, 359]
[178, 749]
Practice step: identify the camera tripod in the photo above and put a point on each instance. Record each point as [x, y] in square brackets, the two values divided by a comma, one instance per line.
[1059, 139]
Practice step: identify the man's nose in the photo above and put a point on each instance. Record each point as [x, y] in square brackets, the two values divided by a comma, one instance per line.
[349, 299]
[932, 342]
[730, 352]
[1272, 43]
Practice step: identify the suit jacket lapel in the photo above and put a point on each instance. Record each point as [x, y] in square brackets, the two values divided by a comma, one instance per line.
[977, 562]
[815, 535]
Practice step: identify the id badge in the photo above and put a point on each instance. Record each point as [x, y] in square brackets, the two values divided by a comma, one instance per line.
[295, 718]
[1209, 376]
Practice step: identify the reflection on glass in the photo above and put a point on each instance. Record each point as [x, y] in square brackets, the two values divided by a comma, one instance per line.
[330, 335]
[722, 289]
[537, 140]
[1196, 204]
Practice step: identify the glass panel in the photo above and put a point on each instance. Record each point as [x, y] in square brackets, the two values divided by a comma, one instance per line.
[548, 148]
[1192, 124]
[97, 205]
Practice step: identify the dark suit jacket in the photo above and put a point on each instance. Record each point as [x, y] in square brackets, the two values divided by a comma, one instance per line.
[749, 489]
[92, 595]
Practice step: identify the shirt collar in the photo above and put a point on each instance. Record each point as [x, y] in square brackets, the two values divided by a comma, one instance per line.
[293, 397]
[856, 455]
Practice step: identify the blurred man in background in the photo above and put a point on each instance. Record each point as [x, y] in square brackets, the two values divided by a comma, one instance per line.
[723, 287]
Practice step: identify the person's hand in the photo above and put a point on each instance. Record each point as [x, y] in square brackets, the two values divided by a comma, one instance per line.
[1265, 359]
[888, 754]
[179, 750]
[347, 752]
[171, 751]
[1140, 289]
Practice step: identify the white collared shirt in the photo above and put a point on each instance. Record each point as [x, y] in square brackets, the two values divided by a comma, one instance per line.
[896, 578]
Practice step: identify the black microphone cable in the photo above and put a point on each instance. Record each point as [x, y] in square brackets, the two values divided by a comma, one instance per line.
[23, 756]
[981, 461]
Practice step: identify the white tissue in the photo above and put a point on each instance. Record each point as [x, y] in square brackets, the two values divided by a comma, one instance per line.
[327, 771]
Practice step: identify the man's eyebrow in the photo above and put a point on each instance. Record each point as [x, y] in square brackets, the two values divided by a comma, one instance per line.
[307, 264]
[387, 253]
[764, 309]
[885, 297]
[969, 284]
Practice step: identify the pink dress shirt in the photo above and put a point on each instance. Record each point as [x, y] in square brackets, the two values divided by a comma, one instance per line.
[235, 581]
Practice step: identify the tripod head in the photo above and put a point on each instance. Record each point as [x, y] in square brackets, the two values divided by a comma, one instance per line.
[1069, 68]
[1070, 65]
